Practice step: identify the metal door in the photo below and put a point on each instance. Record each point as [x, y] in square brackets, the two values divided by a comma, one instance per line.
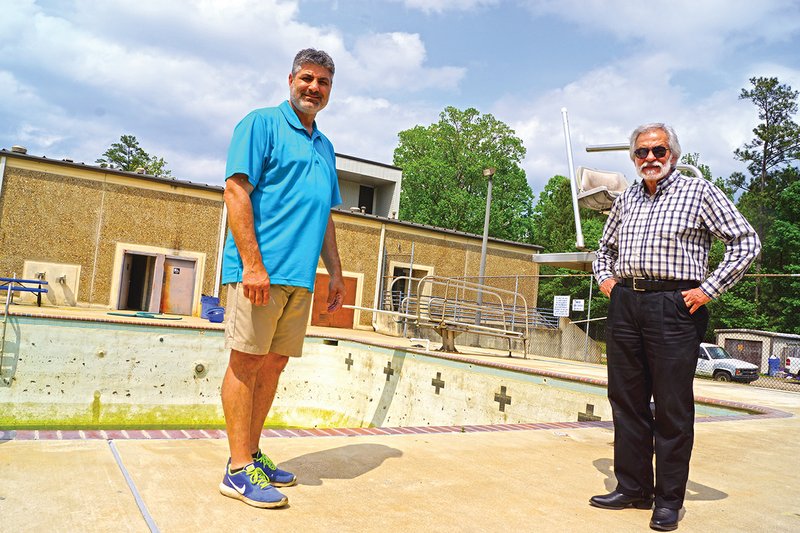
[743, 350]
[125, 282]
[177, 294]
[343, 318]
[156, 284]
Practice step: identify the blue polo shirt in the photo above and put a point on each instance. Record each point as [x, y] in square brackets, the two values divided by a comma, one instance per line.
[294, 188]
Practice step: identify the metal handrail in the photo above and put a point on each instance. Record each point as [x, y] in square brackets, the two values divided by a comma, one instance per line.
[399, 305]
[441, 303]
[454, 313]
[3, 337]
[5, 324]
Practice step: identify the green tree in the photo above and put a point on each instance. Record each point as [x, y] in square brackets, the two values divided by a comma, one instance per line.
[129, 156]
[782, 245]
[553, 221]
[775, 146]
[782, 248]
[777, 136]
[553, 226]
[694, 160]
[769, 201]
[443, 182]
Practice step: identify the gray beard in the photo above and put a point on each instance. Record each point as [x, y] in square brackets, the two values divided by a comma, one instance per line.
[665, 170]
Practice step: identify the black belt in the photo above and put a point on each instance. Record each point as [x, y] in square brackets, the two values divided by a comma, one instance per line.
[644, 284]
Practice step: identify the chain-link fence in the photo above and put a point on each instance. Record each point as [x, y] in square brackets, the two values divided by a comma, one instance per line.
[753, 334]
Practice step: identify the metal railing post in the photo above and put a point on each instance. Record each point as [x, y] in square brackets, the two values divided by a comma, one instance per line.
[5, 324]
[588, 318]
[408, 289]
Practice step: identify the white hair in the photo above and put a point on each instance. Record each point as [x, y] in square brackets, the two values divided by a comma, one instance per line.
[672, 137]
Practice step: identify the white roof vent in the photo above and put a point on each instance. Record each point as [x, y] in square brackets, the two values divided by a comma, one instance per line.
[140, 170]
[17, 149]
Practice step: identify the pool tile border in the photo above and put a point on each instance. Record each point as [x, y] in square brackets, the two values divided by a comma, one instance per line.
[193, 434]
[119, 319]
[756, 412]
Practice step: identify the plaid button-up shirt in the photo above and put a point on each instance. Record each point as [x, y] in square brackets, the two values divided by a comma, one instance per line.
[667, 236]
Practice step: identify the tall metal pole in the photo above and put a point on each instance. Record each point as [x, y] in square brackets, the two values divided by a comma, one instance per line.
[573, 183]
[408, 290]
[488, 173]
[588, 320]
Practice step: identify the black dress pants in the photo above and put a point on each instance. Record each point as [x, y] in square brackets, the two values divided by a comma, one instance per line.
[652, 348]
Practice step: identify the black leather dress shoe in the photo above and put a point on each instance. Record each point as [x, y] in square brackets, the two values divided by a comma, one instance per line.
[664, 519]
[617, 500]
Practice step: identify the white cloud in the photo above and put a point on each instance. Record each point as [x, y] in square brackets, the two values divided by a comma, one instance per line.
[786, 75]
[406, 71]
[647, 82]
[179, 75]
[378, 121]
[605, 105]
[695, 32]
[440, 6]
[76, 74]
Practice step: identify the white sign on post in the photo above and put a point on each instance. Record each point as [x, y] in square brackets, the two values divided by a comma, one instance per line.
[560, 305]
[577, 305]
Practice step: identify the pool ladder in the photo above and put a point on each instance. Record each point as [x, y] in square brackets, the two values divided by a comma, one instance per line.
[6, 380]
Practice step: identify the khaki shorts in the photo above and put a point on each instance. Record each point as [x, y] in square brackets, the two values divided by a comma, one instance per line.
[278, 327]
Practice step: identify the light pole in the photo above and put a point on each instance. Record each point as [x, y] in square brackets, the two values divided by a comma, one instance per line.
[488, 173]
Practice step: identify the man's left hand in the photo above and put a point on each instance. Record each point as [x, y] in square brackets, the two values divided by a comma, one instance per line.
[694, 299]
[336, 294]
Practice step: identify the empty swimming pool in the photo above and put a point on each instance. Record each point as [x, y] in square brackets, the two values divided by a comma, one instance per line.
[79, 374]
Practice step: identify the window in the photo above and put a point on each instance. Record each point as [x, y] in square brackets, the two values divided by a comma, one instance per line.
[404, 291]
[366, 196]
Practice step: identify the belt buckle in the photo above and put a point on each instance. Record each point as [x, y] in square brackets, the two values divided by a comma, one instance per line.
[634, 284]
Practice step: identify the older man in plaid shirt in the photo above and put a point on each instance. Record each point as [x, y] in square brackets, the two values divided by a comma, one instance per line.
[652, 263]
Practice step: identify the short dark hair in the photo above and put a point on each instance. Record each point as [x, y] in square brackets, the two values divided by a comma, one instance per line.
[315, 57]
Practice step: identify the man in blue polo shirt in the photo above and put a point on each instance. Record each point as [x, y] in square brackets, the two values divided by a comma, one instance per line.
[281, 185]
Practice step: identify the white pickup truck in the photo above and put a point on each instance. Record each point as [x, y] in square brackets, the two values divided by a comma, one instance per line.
[714, 362]
[793, 365]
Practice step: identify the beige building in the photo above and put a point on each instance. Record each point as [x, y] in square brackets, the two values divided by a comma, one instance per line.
[121, 240]
[107, 238]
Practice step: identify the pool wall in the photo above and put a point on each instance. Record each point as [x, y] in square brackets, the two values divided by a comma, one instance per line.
[385, 387]
[75, 373]
[69, 374]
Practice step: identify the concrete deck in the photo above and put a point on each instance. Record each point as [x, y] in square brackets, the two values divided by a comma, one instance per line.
[744, 477]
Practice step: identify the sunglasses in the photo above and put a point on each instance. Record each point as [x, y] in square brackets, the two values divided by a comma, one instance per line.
[658, 152]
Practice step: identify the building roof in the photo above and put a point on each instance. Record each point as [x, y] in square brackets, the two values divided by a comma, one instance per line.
[436, 229]
[107, 170]
[362, 160]
[759, 333]
[218, 188]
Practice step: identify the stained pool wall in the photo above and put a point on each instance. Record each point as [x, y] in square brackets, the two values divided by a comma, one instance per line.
[60, 373]
[75, 373]
[385, 387]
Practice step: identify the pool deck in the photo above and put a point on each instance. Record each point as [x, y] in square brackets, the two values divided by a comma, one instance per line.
[744, 475]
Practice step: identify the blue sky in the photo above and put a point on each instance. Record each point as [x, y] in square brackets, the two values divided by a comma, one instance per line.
[77, 74]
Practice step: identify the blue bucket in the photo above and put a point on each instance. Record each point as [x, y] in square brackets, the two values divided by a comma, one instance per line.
[774, 365]
[216, 314]
[207, 303]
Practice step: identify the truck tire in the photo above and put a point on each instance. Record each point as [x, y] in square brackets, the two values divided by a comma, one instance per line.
[722, 376]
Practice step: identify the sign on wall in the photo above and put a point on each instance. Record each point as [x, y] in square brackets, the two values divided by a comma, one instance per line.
[560, 305]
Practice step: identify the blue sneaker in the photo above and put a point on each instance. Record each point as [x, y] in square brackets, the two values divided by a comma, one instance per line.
[278, 477]
[252, 487]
